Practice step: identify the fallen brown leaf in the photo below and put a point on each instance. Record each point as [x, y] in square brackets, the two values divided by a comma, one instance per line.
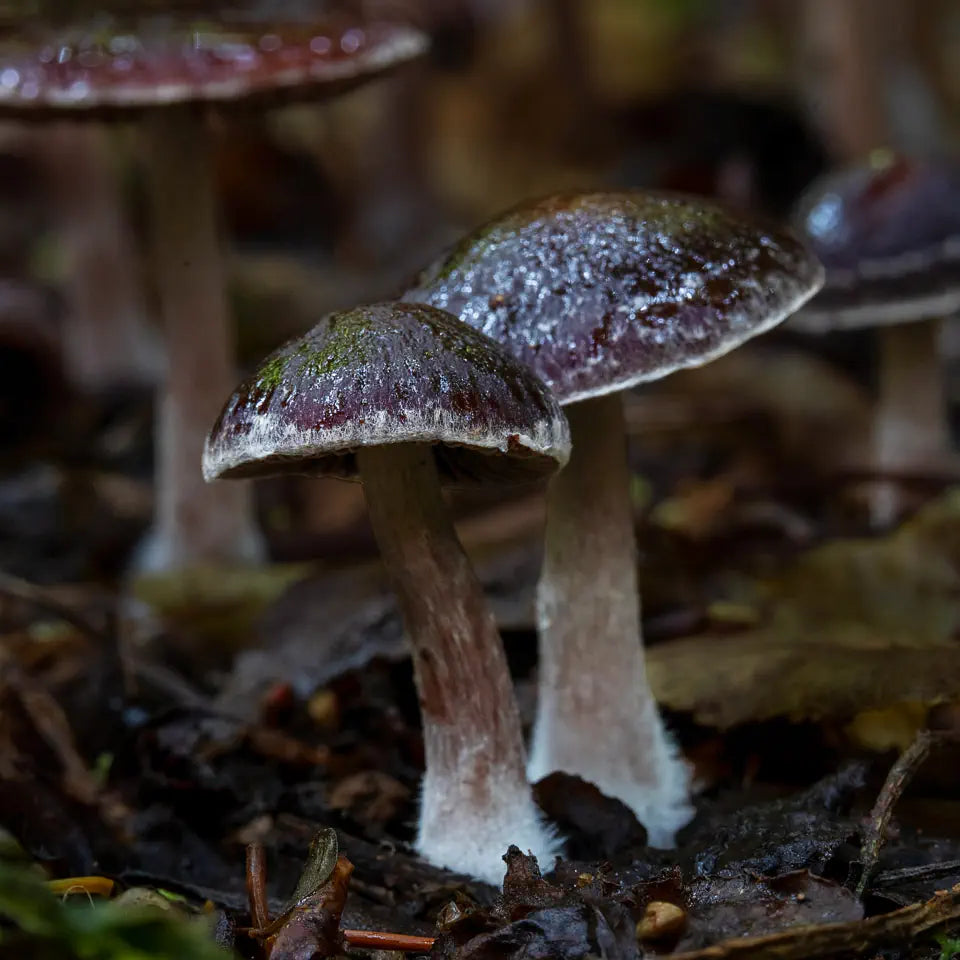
[838, 939]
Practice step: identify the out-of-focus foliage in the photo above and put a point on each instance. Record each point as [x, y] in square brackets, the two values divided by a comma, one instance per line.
[41, 926]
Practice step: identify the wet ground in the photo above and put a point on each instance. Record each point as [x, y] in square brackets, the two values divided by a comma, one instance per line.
[150, 731]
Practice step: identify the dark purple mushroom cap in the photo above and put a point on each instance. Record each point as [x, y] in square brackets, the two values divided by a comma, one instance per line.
[384, 374]
[888, 234]
[107, 66]
[598, 292]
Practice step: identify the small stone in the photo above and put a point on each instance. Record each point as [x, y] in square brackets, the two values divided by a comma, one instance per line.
[323, 709]
[661, 920]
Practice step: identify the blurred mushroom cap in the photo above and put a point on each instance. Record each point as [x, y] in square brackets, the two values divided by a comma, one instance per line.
[888, 234]
[106, 65]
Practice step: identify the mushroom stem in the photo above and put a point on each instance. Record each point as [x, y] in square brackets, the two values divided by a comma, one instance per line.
[195, 523]
[107, 339]
[475, 797]
[910, 426]
[596, 716]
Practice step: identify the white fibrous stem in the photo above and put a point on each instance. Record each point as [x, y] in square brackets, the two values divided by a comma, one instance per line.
[596, 715]
[195, 523]
[107, 340]
[911, 431]
[475, 798]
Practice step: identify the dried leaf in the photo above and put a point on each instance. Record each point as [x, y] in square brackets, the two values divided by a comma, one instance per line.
[855, 624]
[310, 925]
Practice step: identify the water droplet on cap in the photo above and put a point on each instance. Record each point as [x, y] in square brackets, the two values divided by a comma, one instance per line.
[270, 42]
[352, 40]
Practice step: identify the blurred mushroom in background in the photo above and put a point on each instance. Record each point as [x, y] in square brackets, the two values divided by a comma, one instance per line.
[168, 72]
[107, 338]
[888, 233]
[883, 224]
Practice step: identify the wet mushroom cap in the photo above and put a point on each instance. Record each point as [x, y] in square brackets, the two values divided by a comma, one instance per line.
[122, 66]
[598, 292]
[888, 234]
[386, 374]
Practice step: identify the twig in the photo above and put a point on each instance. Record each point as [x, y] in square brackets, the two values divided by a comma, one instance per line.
[833, 939]
[51, 723]
[926, 871]
[42, 599]
[260, 912]
[257, 885]
[373, 892]
[387, 941]
[901, 773]
[905, 477]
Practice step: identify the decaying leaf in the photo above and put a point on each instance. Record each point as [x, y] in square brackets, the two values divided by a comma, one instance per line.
[310, 923]
[845, 939]
[855, 624]
[594, 825]
[535, 918]
[742, 905]
[727, 680]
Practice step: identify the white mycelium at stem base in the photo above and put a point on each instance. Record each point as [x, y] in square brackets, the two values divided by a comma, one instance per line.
[194, 523]
[910, 429]
[597, 717]
[475, 798]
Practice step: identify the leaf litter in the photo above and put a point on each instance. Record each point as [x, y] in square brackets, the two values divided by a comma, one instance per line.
[153, 765]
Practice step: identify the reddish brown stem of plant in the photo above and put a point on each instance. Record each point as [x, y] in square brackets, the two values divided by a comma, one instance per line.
[257, 886]
[376, 940]
[260, 911]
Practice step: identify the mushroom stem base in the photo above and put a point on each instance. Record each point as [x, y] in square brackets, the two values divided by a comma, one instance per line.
[910, 426]
[597, 717]
[195, 523]
[475, 797]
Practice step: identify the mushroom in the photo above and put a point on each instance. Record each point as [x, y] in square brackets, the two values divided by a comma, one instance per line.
[403, 396]
[107, 341]
[597, 293]
[168, 71]
[888, 233]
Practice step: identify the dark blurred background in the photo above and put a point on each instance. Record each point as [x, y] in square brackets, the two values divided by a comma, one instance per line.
[328, 205]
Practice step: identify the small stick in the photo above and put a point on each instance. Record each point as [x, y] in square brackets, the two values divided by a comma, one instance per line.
[901, 773]
[260, 912]
[377, 940]
[43, 599]
[257, 886]
[926, 871]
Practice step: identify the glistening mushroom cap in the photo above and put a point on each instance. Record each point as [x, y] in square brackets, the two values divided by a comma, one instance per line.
[384, 374]
[598, 292]
[110, 66]
[888, 233]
